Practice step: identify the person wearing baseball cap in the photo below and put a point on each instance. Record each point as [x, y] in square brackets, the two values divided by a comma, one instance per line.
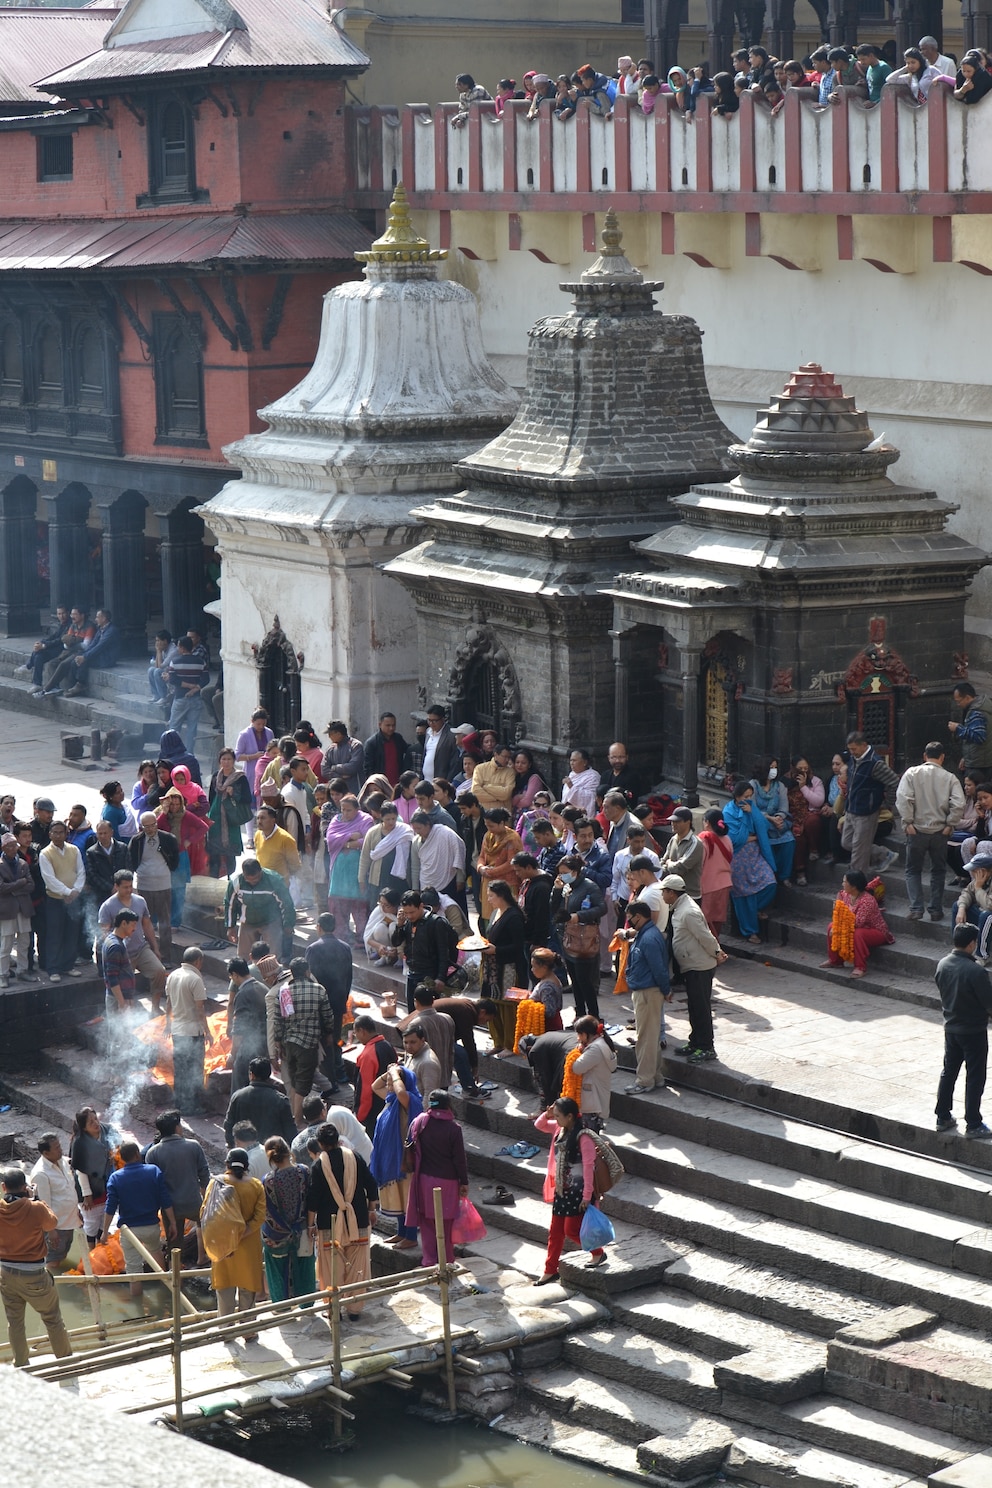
[698, 953]
[41, 822]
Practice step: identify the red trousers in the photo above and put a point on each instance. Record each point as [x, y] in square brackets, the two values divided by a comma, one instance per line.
[562, 1226]
[864, 940]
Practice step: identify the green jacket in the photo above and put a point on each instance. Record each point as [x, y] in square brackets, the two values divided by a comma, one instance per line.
[260, 903]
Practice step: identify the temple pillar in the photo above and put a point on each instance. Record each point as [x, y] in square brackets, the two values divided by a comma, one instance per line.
[977, 16]
[782, 28]
[18, 558]
[621, 686]
[842, 22]
[662, 30]
[69, 548]
[909, 19]
[689, 661]
[183, 585]
[124, 591]
[721, 30]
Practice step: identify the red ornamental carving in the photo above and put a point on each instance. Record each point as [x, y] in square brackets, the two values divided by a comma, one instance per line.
[959, 664]
[878, 659]
[782, 681]
[876, 630]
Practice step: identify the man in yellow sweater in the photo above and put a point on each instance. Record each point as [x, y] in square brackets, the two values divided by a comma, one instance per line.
[64, 875]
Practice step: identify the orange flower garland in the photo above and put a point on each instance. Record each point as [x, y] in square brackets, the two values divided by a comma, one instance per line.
[842, 930]
[530, 1019]
[571, 1085]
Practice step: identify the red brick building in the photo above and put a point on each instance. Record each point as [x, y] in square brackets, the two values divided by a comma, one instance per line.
[173, 211]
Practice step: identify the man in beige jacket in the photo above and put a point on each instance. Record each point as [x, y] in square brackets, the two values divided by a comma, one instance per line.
[930, 802]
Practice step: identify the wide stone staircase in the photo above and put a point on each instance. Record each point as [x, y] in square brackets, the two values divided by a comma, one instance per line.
[116, 700]
[801, 1287]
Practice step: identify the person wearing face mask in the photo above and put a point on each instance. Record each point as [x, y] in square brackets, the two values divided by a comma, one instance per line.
[772, 799]
[577, 906]
[753, 884]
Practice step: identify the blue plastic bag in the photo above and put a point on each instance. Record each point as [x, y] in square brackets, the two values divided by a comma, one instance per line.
[595, 1230]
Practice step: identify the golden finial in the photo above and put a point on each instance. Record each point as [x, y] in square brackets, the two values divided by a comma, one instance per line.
[399, 243]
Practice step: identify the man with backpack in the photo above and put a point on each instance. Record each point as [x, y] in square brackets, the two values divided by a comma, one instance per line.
[428, 944]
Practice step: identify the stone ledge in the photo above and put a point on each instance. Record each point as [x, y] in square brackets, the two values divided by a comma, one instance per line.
[779, 1376]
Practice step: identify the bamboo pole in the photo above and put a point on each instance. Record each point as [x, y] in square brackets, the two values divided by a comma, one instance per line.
[252, 1379]
[336, 1312]
[132, 1324]
[91, 1279]
[146, 1255]
[94, 1294]
[442, 1257]
[177, 1337]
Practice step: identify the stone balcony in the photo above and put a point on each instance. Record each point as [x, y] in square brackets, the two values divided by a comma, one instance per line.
[844, 160]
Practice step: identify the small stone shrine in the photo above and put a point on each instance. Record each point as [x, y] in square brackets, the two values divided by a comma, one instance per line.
[509, 581]
[808, 596]
[399, 391]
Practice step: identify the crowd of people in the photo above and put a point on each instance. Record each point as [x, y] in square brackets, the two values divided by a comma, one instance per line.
[428, 854]
[824, 76]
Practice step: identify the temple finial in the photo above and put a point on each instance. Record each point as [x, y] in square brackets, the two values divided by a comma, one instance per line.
[400, 243]
[612, 262]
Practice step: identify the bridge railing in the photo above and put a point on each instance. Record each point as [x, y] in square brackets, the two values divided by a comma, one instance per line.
[843, 157]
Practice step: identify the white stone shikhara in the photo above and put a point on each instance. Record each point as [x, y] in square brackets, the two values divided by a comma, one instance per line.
[399, 391]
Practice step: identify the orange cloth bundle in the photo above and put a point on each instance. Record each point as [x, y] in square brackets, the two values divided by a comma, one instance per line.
[842, 931]
[530, 1019]
[571, 1085]
[620, 947]
[106, 1258]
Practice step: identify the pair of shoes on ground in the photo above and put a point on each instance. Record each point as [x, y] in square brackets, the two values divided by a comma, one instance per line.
[980, 1133]
[638, 1089]
[519, 1149]
[500, 1195]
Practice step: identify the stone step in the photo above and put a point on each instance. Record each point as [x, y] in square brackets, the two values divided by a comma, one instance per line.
[687, 1167]
[909, 957]
[815, 904]
[584, 1446]
[633, 1359]
[632, 1415]
[804, 952]
[780, 1463]
[941, 1380]
[716, 1332]
[685, 1220]
[778, 1296]
[851, 1430]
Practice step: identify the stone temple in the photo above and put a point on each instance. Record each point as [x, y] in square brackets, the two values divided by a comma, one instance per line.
[510, 580]
[400, 390]
[808, 596]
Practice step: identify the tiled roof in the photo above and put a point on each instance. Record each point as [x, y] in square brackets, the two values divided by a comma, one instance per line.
[33, 39]
[67, 245]
[253, 35]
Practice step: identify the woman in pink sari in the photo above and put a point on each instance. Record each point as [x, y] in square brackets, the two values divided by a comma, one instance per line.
[345, 835]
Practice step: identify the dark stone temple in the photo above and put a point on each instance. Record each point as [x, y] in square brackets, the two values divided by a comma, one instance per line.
[511, 580]
[808, 596]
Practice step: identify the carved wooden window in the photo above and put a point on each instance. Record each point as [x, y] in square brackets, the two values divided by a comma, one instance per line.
[55, 157]
[178, 382]
[482, 695]
[876, 720]
[49, 389]
[11, 364]
[171, 153]
[716, 715]
[91, 371]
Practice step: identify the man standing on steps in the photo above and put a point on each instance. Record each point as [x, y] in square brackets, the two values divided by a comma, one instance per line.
[139, 1195]
[868, 780]
[974, 732]
[930, 802]
[15, 908]
[186, 1020]
[647, 978]
[966, 998]
[258, 906]
[25, 1281]
[329, 960]
[698, 954]
[154, 856]
[141, 947]
[64, 877]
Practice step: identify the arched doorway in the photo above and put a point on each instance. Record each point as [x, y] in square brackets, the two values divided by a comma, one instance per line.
[482, 696]
[279, 679]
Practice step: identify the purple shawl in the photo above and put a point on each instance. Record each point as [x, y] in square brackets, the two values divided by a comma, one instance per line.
[340, 830]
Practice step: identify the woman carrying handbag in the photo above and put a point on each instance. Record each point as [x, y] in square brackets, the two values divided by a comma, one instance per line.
[577, 906]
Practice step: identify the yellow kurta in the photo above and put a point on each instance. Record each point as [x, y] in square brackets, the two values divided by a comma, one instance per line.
[244, 1268]
[278, 852]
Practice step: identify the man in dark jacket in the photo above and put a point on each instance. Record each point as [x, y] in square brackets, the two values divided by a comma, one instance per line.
[966, 998]
[330, 964]
[869, 780]
[426, 942]
[344, 757]
[45, 650]
[263, 1104]
[546, 1056]
[15, 908]
[386, 751]
[442, 755]
[101, 861]
[153, 857]
[974, 732]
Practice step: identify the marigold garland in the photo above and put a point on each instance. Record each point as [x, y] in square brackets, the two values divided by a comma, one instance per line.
[530, 1019]
[842, 931]
[571, 1085]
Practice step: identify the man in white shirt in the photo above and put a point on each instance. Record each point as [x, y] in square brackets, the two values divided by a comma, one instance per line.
[932, 52]
[642, 884]
[55, 1186]
[64, 875]
[636, 848]
[186, 1019]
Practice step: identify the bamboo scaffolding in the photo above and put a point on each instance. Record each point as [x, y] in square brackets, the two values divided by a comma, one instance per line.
[91, 1279]
[442, 1253]
[94, 1294]
[156, 1266]
[242, 1380]
[177, 1338]
[130, 1324]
